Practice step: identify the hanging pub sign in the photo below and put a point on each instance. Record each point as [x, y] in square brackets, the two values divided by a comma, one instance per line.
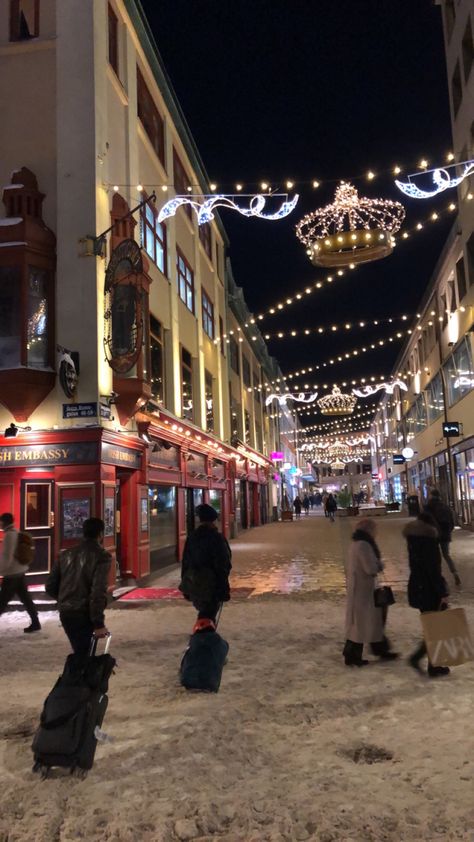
[124, 307]
[452, 429]
[398, 459]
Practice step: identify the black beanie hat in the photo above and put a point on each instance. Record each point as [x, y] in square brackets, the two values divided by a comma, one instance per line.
[206, 513]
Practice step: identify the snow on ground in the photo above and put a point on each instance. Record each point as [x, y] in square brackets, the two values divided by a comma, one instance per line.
[270, 758]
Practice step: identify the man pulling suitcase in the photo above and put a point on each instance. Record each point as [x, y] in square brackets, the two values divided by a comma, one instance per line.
[206, 566]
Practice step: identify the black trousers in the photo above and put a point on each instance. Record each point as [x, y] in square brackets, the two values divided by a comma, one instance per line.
[444, 547]
[79, 631]
[208, 610]
[16, 586]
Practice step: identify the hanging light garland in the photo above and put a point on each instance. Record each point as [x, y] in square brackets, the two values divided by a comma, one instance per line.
[321, 330]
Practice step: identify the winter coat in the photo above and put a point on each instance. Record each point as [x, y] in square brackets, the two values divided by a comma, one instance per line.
[331, 504]
[426, 585]
[443, 517]
[297, 505]
[79, 581]
[9, 566]
[364, 622]
[205, 566]
[305, 502]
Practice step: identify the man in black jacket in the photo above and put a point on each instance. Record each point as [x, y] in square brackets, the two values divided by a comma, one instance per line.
[445, 523]
[206, 565]
[78, 581]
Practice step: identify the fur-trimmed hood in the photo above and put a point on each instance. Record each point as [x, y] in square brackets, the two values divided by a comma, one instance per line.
[418, 529]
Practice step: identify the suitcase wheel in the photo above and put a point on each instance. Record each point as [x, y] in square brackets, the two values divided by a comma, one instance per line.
[81, 774]
[42, 771]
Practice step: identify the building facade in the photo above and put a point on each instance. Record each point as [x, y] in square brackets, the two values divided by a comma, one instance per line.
[115, 328]
[435, 417]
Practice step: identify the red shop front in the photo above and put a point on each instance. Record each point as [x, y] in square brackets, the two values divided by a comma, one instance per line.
[53, 481]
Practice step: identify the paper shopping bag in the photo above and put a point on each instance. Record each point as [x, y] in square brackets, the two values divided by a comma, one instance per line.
[447, 637]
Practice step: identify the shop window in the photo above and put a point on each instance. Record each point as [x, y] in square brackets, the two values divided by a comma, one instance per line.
[154, 236]
[246, 375]
[185, 278]
[459, 372]
[221, 335]
[456, 89]
[461, 279]
[234, 355]
[187, 385]
[24, 19]
[157, 359]
[207, 315]
[150, 118]
[467, 50]
[181, 181]
[163, 525]
[209, 401]
[205, 237]
[113, 40]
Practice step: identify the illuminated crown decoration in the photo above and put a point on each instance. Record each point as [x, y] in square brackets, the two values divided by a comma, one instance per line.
[351, 230]
[336, 403]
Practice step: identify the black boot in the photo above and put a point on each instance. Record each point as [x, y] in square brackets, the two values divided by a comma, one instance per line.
[415, 658]
[437, 672]
[381, 648]
[34, 627]
[353, 654]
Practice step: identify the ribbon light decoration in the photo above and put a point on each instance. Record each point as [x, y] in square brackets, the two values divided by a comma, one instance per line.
[441, 179]
[205, 210]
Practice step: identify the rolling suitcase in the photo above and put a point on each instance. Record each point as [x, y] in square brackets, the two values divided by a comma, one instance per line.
[203, 661]
[73, 713]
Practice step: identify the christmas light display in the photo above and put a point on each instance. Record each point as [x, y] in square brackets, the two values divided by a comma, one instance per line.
[205, 209]
[337, 403]
[282, 399]
[442, 180]
[351, 229]
[367, 391]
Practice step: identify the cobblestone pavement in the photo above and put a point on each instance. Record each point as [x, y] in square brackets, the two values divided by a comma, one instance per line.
[308, 555]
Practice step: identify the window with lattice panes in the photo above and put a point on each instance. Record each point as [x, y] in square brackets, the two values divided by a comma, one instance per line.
[182, 182]
[150, 117]
[209, 392]
[205, 237]
[157, 360]
[207, 315]
[185, 280]
[154, 236]
[234, 355]
[24, 19]
[246, 375]
[187, 402]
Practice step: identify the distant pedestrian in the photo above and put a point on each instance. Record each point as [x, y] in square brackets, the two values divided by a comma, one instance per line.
[444, 520]
[206, 566]
[306, 504]
[331, 507]
[311, 501]
[14, 574]
[427, 589]
[413, 504]
[318, 499]
[364, 621]
[297, 507]
[79, 582]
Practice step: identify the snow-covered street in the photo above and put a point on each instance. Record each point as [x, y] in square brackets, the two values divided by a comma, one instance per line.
[295, 746]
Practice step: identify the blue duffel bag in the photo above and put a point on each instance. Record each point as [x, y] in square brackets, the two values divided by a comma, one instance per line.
[203, 661]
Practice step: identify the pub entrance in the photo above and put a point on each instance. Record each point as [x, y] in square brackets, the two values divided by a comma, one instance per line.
[37, 518]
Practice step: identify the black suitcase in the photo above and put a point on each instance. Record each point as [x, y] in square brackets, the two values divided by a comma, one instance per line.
[203, 661]
[72, 713]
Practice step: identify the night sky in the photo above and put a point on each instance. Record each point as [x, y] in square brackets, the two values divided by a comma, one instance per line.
[315, 89]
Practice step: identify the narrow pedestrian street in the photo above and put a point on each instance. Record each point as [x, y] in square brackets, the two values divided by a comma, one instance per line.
[295, 746]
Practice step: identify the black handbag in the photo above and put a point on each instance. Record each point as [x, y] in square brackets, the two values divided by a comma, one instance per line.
[383, 596]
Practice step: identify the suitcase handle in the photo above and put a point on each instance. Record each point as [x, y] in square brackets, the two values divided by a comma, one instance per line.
[94, 642]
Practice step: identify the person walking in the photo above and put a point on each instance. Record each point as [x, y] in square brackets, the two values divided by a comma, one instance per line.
[14, 574]
[364, 621]
[444, 520]
[427, 588]
[78, 582]
[331, 507]
[297, 507]
[306, 504]
[206, 565]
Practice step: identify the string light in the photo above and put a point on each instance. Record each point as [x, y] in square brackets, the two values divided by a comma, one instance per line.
[350, 229]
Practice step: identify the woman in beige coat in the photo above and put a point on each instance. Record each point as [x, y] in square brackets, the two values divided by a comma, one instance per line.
[364, 622]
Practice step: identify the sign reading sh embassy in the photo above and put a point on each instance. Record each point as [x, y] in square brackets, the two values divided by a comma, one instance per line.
[26, 455]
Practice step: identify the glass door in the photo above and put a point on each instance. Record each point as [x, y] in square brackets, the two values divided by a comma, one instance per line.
[37, 518]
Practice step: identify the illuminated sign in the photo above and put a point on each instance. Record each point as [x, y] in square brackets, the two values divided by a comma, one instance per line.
[276, 456]
[452, 429]
[398, 459]
[408, 453]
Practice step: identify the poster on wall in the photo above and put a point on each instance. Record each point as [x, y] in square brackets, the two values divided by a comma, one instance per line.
[109, 517]
[144, 514]
[74, 513]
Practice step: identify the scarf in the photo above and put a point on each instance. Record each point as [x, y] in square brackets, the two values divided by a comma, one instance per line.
[360, 535]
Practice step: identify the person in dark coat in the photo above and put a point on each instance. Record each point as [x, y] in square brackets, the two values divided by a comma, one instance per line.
[443, 517]
[206, 566]
[79, 582]
[331, 506]
[427, 589]
[306, 504]
[297, 507]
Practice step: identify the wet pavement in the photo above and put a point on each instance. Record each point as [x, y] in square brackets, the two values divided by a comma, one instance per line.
[307, 556]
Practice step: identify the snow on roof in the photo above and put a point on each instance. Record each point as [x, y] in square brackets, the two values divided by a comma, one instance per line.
[11, 220]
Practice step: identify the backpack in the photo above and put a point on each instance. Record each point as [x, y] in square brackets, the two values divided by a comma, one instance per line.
[25, 549]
